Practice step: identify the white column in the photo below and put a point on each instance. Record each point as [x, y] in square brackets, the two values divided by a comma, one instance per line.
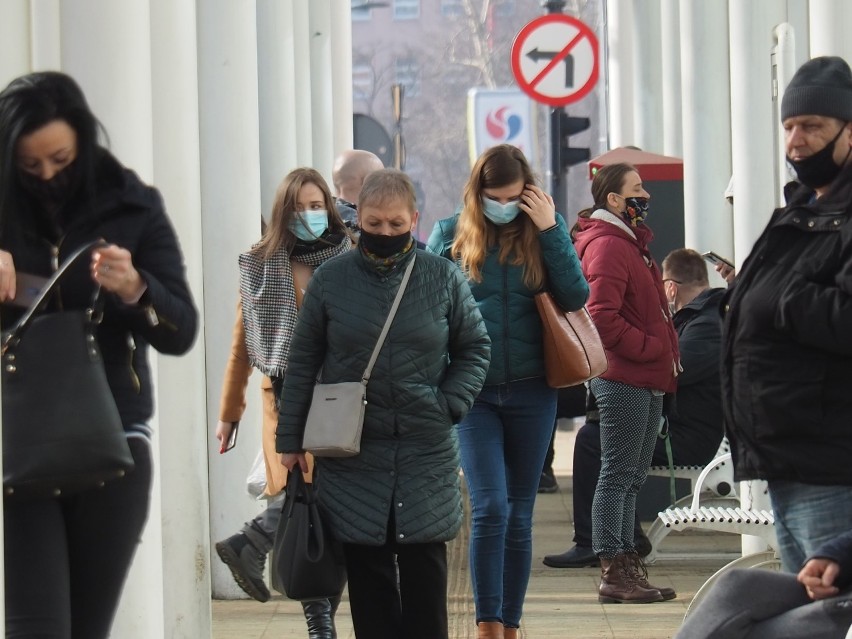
[341, 75]
[830, 22]
[671, 84]
[752, 131]
[302, 85]
[277, 95]
[708, 218]
[230, 200]
[647, 96]
[14, 41]
[181, 381]
[620, 88]
[46, 35]
[322, 92]
[99, 43]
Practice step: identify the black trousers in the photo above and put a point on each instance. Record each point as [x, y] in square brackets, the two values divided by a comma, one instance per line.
[67, 559]
[587, 468]
[398, 591]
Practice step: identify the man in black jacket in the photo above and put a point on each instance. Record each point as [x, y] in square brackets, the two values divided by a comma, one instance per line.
[787, 345]
[694, 413]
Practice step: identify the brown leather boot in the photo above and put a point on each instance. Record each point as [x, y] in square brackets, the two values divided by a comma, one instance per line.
[510, 633]
[490, 630]
[619, 584]
[640, 570]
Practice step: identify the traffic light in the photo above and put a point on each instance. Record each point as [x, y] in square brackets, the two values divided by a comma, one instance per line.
[562, 128]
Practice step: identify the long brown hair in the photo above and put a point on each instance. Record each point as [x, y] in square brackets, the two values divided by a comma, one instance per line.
[278, 234]
[608, 179]
[499, 166]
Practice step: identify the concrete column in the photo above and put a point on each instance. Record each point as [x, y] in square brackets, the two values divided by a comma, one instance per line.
[708, 218]
[322, 91]
[277, 96]
[99, 43]
[620, 88]
[14, 41]
[230, 201]
[671, 81]
[647, 97]
[181, 382]
[46, 37]
[752, 131]
[341, 75]
[830, 21]
[303, 85]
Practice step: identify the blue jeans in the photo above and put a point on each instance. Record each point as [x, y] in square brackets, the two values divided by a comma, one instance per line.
[807, 516]
[504, 439]
[630, 417]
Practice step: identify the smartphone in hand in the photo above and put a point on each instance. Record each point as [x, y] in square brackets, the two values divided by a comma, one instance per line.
[232, 439]
[715, 259]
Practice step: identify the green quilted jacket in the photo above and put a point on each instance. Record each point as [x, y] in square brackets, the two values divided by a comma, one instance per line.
[428, 373]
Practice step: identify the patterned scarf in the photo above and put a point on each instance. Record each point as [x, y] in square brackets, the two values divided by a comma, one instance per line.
[385, 265]
[269, 303]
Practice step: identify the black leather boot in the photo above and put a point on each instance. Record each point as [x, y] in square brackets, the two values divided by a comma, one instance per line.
[320, 619]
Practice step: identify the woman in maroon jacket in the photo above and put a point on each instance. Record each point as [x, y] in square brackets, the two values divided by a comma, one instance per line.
[631, 313]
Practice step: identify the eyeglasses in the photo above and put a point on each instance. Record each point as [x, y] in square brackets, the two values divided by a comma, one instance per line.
[668, 279]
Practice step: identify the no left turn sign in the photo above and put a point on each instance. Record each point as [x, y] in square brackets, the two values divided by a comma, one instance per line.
[555, 59]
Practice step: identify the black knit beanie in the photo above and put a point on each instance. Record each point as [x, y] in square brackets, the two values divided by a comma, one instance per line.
[822, 86]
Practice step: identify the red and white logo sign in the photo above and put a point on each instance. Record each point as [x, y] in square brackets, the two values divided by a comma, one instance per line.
[555, 59]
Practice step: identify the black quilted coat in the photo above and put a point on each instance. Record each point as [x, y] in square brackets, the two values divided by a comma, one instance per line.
[428, 373]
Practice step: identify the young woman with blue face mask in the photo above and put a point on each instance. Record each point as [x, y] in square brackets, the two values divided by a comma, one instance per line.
[304, 231]
[510, 243]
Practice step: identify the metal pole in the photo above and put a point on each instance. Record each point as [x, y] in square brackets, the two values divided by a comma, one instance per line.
[557, 188]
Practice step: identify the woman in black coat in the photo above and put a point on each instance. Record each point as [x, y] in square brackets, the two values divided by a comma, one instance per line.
[67, 557]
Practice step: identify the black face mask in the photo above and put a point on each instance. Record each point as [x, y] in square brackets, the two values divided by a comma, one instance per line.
[55, 191]
[384, 245]
[819, 169]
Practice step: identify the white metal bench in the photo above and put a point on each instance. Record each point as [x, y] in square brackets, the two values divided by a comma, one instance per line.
[713, 487]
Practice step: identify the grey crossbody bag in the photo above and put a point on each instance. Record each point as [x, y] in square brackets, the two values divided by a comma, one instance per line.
[336, 416]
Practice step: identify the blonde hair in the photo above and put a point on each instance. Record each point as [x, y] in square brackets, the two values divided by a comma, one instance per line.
[277, 233]
[499, 166]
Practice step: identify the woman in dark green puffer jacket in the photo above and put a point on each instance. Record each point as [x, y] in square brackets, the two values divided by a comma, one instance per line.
[511, 244]
[401, 495]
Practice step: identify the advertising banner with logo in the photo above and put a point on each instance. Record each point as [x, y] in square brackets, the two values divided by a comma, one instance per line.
[498, 116]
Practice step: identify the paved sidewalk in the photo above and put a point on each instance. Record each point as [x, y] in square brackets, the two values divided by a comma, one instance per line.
[560, 603]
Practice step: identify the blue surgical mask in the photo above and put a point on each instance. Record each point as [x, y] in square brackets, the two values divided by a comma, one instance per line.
[500, 213]
[309, 225]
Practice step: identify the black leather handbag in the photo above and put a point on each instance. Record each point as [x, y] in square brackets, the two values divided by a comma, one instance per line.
[61, 429]
[307, 561]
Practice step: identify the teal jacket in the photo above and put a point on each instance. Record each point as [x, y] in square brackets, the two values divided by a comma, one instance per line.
[427, 375]
[508, 305]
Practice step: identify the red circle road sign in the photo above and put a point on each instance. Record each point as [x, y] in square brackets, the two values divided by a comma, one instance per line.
[555, 59]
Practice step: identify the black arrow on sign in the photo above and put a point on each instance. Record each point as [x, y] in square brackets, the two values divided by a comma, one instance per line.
[536, 56]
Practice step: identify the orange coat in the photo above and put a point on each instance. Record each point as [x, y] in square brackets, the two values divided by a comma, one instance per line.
[233, 404]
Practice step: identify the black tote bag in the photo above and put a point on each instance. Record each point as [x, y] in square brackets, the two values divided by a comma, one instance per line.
[307, 561]
[61, 429]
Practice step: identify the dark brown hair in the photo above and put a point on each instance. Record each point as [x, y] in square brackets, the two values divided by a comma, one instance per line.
[687, 267]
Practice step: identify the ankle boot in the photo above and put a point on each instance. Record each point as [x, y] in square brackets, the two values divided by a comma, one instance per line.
[510, 633]
[620, 585]
[640, 571]
[489, 630]
[320, 621]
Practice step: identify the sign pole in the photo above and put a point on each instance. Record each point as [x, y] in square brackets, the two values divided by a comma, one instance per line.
[557, 185]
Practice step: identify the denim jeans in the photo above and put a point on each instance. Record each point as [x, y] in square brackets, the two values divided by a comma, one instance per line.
[807, 516]
[504, 440]
[630, 417]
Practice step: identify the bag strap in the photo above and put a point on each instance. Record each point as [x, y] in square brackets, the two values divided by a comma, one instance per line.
[17, 331]
[389, 320]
